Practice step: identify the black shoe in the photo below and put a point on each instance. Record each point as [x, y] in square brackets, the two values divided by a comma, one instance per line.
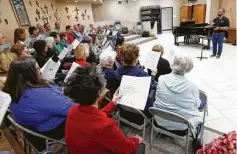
[213, 56]
[218, 56]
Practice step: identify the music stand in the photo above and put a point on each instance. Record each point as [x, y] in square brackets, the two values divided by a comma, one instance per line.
[202, 37]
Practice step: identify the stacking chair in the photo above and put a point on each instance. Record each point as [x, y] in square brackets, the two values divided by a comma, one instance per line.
[204, 109]
[118, 26]
[27, 145]
[142, 127]
[170, 116]
[139, 28]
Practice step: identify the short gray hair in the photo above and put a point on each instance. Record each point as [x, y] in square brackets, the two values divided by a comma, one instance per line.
[107, 57]
[49, 40]
[181, 64]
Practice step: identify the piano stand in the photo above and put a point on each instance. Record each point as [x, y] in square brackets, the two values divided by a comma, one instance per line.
[203, 46]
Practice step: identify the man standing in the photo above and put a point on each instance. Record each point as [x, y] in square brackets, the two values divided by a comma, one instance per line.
[221, 24]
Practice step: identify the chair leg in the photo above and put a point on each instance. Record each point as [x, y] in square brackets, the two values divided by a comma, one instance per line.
[187, 142]
[152, 131]
[144, 129]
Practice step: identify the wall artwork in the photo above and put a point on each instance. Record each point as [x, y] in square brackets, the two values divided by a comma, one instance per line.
[76, 17]
[83, 15]
[66, 9]
[30, 3]
[20, 13]
[37, 3]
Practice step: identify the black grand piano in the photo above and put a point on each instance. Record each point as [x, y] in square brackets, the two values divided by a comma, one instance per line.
[192, 33]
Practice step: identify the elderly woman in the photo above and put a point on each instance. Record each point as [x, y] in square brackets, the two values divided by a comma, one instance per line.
[81, 54]
[176, 93]
[6, 58]
[88, 129]
[107, 59]
[163, 66]
[20, 50]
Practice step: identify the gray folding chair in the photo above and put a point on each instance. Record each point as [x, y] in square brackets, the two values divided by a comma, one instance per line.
[203, 96]
[27, 145]
[170, 116]
[141, 127]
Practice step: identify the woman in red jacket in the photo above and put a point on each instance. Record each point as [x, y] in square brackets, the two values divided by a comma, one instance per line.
[69, 32]
[88, 129]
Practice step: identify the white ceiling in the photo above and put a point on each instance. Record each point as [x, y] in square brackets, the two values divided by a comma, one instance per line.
[82, 1]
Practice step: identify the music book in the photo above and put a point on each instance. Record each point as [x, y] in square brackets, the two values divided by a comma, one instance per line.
[41, 37]
[75, 43]
[27, 42]
[115, 33]
[134, 91]
[63, 53]
[5, 100]
[50, 69]
[5, 47]
[107, 33]
[104, 41]
[72, 69]
[152, 59]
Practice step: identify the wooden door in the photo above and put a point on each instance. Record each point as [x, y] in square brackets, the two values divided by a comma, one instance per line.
[185, 13]
[199, 13]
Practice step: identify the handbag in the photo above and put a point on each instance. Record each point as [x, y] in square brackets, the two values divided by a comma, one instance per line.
[198, 138]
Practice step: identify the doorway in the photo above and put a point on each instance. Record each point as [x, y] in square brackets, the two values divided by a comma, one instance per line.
[167, 18]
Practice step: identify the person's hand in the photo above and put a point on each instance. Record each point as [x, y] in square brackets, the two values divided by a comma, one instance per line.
[116, 97]
[141, 140]
[217, 28]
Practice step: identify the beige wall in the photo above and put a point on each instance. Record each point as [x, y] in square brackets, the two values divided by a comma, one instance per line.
[230, 10]
[197, 2]
[7, 13]
[130, 12]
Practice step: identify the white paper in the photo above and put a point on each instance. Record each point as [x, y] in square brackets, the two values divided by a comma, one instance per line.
[152, 59]
[75, 43]
[104, 41]
[104, 32]
[63, 53]
[41, 37]
[134, 91]
[107, 33]
[115, 33]
[27, 42]
[49, 70]
[109, 48]
[5, 47]
[5, 100]
[72, 69]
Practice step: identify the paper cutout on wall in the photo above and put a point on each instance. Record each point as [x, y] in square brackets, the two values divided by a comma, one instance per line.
[38, 13]
[6, 21]
[30, 3]
[88, 16]
[0, 18]
[76, 17]
[46, 9]
[66, 9]
[52, 6]
[68, 17]
[85, 11]
[77, 10]
[44, 12]
[83, 15]
[43, 19]
[37, 3]
[47, 20]
[36, 19]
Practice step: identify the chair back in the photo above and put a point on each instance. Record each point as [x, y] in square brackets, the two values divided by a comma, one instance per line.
[202, 95]
[168, 115]
[132, 110]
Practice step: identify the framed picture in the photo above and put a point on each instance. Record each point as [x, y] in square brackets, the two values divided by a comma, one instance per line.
[19, 9]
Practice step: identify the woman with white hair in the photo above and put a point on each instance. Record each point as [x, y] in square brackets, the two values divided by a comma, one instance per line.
[177, 94]
[107, 59]
[50, 43]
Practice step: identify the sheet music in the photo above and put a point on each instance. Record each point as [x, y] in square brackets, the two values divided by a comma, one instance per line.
[115, 33]
[104, 41]
[72, 69]
[41, 37]
[152, 59]
[107, 33]
[134, 91]
[50, 69]
[63, 53]
[108, 48]
[5, 47]
[5, 100]
[104, 32]
[27, 42]
[75, 43]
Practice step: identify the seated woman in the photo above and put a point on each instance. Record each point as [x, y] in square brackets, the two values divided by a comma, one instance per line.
[94, 47]
[81, 54]
[41, 50]
[33, 31]
[107, 59]
[19, 36]
[50, 43]
[88, 129]
[36, 104]
[163, 66]
[58, 47]
[6, 58]
[20, 50]
[63, 38]
[176, 93]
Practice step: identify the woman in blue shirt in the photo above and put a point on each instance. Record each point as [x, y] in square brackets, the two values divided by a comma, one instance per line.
[36, 104]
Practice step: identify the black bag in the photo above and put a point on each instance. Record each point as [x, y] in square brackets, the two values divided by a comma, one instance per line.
[198, 138]
[145, 34]
[124, 30]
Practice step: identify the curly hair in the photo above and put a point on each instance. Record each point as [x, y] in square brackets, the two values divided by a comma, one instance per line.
[17, 49]
[129, 53]
[84, 85]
